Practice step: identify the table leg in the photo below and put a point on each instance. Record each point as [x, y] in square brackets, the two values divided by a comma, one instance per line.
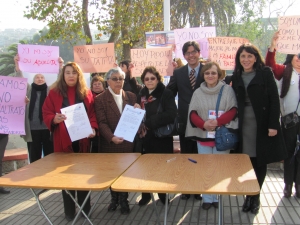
[40, 205]
[220, 211]
[94, 205]
[166, 208]
[155, 208]
[80, 207]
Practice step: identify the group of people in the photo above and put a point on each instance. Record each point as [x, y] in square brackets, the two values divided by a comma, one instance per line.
[250, 105]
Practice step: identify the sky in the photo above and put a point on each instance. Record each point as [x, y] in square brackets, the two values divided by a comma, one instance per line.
[12, 11]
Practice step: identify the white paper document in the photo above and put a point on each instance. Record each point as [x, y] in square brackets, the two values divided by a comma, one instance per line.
[212, 116]
[129, 123]
[77, 122]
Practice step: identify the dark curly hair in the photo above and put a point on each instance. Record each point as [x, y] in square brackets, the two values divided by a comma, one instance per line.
[151, 69]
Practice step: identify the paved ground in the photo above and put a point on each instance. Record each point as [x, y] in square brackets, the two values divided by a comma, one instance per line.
[20, 208]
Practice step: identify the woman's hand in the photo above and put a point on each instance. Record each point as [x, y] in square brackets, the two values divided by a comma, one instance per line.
[60, 62]
[272, 132]
[117, 140]
[136, 106]
[17, 59]
[274, 41]
[93, 134]
[58, 118]
[210, 125]
[26, 100]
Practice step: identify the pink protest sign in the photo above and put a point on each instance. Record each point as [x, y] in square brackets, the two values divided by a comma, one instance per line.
[223, 50]
[204, 47]
[95, 58]
[12, 104]
[160, 58]
[289, 34]
[38, 58]
[191, 34]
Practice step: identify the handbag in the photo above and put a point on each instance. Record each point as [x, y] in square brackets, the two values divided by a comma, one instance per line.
[171, 129]
[224, 138]
[291, 119]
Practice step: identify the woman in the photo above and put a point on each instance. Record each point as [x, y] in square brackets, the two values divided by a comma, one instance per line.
[152, 97]
[288, 74]
[37, 134]
[69, 89]
[97, 87]
[109, 106]
[258, 104]
[201, 126]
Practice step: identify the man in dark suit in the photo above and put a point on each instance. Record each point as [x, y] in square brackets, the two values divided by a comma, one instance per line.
[185, 81]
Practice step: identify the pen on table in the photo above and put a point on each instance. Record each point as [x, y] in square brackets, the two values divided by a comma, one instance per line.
[170, 160]
[192, 160]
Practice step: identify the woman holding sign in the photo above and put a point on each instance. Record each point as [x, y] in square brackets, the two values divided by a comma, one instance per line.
[109, 107]
[69, 89]
[37, 134]
[258, 113]
[288, 76]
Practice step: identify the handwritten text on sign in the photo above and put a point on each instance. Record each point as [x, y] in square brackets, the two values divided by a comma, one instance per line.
[191, 34]
[95, 58]
[12, 104]
[38, 58]
[160, 58]
[289, 34]
[223, 49]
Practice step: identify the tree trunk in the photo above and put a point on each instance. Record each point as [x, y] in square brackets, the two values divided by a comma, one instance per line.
[85, 22]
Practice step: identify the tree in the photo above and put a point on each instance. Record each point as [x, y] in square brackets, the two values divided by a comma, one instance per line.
[7, 59]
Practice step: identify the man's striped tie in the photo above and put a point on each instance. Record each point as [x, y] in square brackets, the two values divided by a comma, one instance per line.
[192, 78]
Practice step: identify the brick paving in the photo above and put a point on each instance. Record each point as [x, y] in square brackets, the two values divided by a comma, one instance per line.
[20, 208]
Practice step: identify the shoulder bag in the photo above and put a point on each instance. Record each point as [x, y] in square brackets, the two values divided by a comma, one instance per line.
[291, 119]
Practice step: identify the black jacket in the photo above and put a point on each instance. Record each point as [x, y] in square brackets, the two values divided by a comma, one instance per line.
[153, 120]
[263, 94]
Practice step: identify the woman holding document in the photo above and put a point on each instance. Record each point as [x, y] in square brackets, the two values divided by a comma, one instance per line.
[161, 110]
[109, 106]
[69, 89]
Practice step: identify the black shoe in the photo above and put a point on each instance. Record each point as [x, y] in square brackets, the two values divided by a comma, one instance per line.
[215, 204]
[287, 191]
[206, 205]
[163, 201]
[144, 201]
[185, 196]
[3, 191]
[113, 206]
[247, 204]
[69, 218]
[125, 210]
[255, 205]
[198, 197]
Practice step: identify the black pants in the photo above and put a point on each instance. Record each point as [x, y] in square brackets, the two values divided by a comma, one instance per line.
[69, 204]
[94, 142]
[187, 146]
[260, 172]
[3, 143]
[291, 164]
[40, 142]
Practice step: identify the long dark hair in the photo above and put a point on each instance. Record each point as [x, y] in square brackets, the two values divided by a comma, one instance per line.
[287, 75]
[248, 47]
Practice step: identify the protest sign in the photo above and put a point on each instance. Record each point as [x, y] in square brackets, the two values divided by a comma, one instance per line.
[95, 58]
[160, 58]
[159, 39]
[204, 47]
[191, 34]
[289, 34]
[12, 104]
[38, 58]
[223, 50]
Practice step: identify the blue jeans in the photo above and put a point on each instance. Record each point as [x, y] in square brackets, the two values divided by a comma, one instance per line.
[209, 150]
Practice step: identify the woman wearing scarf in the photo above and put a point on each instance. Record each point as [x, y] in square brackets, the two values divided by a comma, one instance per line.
[69, 89]
[37, 134]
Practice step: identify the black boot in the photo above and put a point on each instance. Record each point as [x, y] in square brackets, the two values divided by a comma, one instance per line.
[124, 203]
[247, 204]
[146, 198]
[114, 203]
[287, 191]
[255, 204]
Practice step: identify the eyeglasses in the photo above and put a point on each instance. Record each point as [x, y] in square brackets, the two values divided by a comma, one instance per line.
[151, 78]
[115, 79]
[210, 73]
[192, 53]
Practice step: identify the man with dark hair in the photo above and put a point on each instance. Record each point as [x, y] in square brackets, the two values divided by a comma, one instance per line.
[184, 82]
[130, 83]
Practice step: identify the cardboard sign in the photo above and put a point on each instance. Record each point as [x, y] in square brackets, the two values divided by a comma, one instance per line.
[95, 58]
[38, 58]
[289, 34]
[12, 105]
[160, 58]
[191, 34]
[223, 50]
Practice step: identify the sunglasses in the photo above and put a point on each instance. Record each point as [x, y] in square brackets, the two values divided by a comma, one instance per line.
[117, 79]
[151, 78]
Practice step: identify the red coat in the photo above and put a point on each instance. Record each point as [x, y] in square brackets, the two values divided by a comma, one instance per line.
[276, 68]
[61, 138]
